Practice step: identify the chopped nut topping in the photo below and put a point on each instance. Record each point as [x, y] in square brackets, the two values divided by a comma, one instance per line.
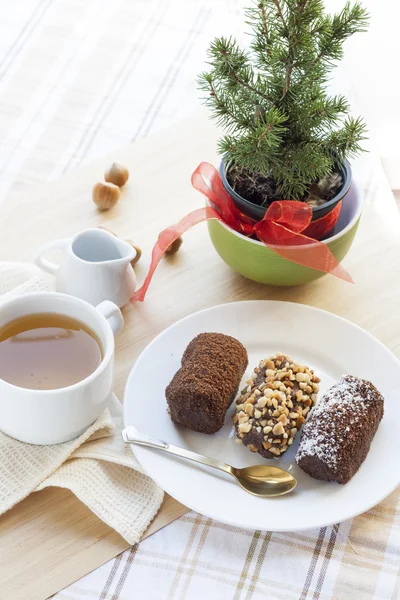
[261, 402]
[275, 451]
[283, 419]
[300, 422]
[277, 397]
[244, 427]
[303, 377]
[243, 418]
[249, 409]
[278, 429]
[252, 447]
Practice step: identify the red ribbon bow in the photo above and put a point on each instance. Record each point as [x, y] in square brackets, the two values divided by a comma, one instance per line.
[285, 228]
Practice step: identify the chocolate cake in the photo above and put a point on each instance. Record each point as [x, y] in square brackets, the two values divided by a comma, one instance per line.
[337, 437]
[272, 407]
[202, 390]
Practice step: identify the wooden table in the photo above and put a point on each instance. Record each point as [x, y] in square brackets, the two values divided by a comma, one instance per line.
[50, 539]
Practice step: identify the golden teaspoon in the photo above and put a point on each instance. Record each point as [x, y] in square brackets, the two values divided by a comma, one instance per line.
[264, 481]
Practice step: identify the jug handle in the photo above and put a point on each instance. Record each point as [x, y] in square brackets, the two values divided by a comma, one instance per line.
[47, 265]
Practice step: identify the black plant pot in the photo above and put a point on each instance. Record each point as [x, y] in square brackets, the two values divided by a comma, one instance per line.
[257, 212]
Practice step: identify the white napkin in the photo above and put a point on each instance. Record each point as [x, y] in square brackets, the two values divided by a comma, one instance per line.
[97, 466]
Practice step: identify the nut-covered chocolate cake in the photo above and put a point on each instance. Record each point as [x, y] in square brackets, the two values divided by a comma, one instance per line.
[337, 437]
[202, 390]
[272, 407]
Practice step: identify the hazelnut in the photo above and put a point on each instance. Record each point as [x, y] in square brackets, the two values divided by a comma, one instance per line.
[117, 174]
[174, 247]
[138, 252]
[105, 195]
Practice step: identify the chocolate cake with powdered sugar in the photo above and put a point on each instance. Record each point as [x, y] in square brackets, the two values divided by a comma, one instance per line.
[337, 437]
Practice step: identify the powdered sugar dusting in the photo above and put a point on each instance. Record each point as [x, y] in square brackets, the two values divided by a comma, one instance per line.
[332, 420]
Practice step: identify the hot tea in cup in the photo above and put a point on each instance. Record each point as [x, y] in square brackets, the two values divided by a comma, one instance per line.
[47, 351]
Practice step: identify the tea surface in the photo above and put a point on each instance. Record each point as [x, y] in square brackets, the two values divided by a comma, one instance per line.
[47, 351]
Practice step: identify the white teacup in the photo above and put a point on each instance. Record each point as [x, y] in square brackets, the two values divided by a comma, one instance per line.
[55, 416]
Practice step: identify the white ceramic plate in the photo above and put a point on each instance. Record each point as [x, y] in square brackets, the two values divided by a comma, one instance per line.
[330, 345]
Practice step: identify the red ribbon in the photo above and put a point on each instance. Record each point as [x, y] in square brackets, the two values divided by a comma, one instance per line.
[283, 228]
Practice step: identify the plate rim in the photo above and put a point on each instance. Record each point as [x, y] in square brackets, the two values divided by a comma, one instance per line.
[226, 520]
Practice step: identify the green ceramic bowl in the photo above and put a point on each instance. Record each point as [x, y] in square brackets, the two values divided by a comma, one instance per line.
[254, 260]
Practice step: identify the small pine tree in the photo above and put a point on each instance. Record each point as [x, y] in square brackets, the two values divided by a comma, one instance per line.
[272, 100]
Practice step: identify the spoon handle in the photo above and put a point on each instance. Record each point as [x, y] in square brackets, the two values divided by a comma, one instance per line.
[131, 435]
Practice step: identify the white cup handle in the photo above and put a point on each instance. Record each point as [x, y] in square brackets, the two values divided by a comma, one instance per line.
[47, 265]
[111, 312]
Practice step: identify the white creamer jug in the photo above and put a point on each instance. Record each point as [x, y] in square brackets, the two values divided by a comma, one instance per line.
[95, 266]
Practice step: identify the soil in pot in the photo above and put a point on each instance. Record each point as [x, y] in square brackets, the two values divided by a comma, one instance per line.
[262, 190]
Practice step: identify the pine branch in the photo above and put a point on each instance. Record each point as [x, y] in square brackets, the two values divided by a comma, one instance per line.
[349, 21]
[264, 23]
[249, 87]
[280, 13]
